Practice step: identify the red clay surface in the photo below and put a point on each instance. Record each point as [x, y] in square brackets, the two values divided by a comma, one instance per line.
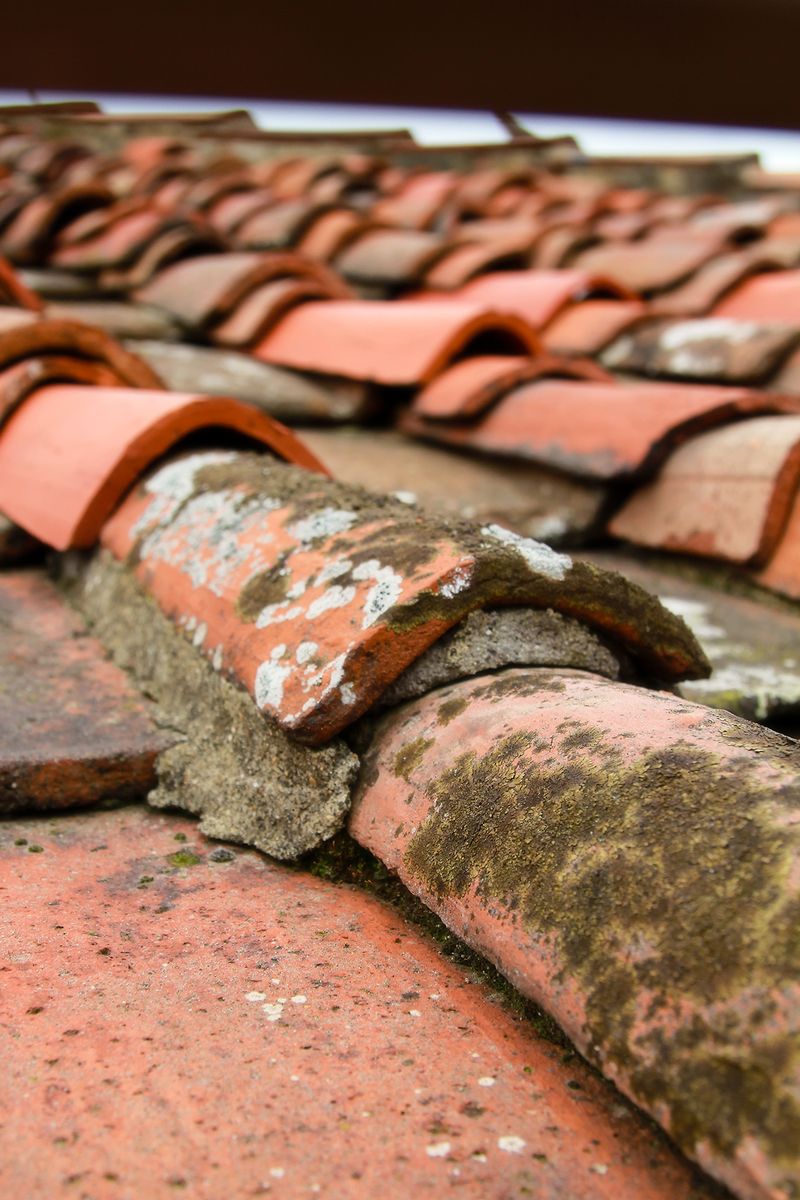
[235, 1028]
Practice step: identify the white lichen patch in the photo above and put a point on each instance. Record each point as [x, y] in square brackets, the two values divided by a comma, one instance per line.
[540, 558]
[458, 581]
[199, 635]
[335, 596]
[306, 651]
[270, 679]
[255, 997]
[511, 1144]
[347, 693]
[273, 1012]
[487, 1081]
[438, 1150]
[385, 592]
[325, 523]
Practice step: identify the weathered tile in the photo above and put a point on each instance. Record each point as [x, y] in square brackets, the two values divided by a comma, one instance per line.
[627, 858]
[596, 430]
[286, 395]
[648, 266]
[753, 646]
[532, 500]
[714, 349]
[319, 595]
[73, 730]
[726, 494]
[205, 290]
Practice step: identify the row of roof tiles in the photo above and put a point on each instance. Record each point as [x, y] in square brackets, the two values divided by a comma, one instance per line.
[314, 598]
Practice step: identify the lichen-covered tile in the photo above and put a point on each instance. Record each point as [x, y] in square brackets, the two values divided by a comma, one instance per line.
[629, 860]
[316, 596]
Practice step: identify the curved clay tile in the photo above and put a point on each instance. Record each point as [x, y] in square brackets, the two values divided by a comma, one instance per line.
[207, 192]
[29, 237]
[228, 213]
[331, 232]
[397, 343]
[118, 245]
[490, 798]
[18, 380]
[600, 431]
[782, 572]
[588, 326]
[69, 454]
[83, 341]
[261, 310]
[537, 296]
[166, 248]
[765, 298]
[467, 261]
[708, 350]
[394, 257]
[713, 281]
[14, 292]
[366, 584]
[279, 225]
[418, 202]
[100, 220]
[560, 244]
[647, 266]
[205, 289]
[726, 494]
[470, 387]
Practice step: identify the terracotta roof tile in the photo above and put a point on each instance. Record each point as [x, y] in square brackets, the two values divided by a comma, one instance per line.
[489, 798]
[31, 234]
[714, 349]
[92, 443]
[470, 387]
[647, 266]
[332, 592]
[393, 257]
[38, 338]
[725, 494]
[596, 430]
[774, 297]
[465, 263]
[204, 290]
[588, 327]
[399, 344]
